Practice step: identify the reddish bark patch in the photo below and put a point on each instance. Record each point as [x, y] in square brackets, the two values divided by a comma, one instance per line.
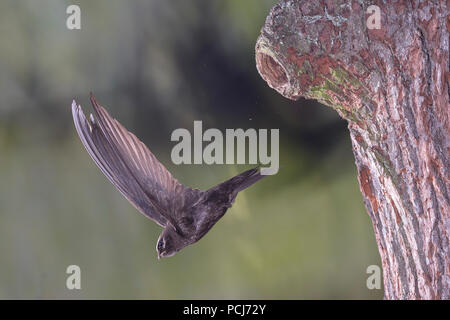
[323, 65]
[366, 186]
[294, 58]
[359, 138]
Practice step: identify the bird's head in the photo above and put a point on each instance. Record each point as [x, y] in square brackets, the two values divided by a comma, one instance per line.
[169, 243]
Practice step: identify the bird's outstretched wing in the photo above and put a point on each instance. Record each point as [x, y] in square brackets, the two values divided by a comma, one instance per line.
[131, 167]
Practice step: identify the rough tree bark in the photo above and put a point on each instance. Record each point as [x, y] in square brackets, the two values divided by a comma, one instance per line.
[392, 86]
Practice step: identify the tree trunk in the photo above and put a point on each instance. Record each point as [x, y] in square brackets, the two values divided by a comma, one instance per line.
[392, 86]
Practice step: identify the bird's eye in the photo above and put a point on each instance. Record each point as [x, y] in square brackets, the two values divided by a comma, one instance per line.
[160, 245]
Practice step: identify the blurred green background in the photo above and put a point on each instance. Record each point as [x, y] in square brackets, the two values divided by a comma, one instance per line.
[157, 66]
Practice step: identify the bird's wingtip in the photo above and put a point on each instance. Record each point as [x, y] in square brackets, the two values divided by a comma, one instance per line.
[91, 96]
[75, 108]
[94, 102]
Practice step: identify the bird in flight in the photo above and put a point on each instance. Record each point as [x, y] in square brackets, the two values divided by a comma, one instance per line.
[186, 214]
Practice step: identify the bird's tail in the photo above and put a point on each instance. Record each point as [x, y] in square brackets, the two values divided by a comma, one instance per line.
[248, 178]
[241, 181]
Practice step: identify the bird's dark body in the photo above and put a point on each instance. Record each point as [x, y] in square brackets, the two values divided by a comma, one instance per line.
[186, 214]
[208, 211]
[198, 217]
